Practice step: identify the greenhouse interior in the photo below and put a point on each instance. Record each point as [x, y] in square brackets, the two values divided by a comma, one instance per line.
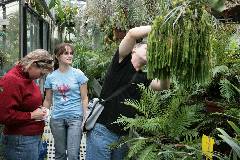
[192, 45]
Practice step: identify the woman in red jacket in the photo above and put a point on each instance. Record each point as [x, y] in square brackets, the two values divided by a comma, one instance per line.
[20, 106]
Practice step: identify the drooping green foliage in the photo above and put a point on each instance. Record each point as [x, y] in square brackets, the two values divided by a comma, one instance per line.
[180, 44]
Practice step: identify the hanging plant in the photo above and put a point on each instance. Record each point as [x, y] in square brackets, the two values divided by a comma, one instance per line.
[64, 14]
[180, 45]
[36, 5]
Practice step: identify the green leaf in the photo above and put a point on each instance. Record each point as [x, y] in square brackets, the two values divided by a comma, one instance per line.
[228, 90]
[236, 129]
[52, 4]
[230, 141]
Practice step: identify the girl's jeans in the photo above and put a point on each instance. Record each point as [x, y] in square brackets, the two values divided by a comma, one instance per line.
[99, 140]
[67, 134]
[17, 147]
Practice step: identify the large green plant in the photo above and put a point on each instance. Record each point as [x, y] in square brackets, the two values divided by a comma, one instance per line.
[65, 16]
[94, 63]
[165, 127]
[180, 44]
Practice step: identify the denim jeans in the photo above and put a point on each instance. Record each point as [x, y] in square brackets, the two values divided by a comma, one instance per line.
[17, 147]
[99, 140]
[67, 136]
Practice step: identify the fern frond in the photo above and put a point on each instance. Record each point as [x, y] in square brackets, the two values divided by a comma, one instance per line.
[223, 70]
[149, 153]
[150, 103]
[228, 90]
[135, 104]
[181, 121]
[136, 147]
[156, 125]
[128, 123]
[153, 125]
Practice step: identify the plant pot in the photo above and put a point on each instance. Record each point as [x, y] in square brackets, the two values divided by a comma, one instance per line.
[231, 14]
[212, 107]
[119, 34]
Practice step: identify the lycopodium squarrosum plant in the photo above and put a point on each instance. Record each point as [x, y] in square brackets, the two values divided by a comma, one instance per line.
[179, 45]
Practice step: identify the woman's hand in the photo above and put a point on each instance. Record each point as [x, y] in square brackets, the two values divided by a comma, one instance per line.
[39, 113]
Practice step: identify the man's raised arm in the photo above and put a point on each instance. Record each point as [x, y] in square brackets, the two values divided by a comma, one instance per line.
[129, 40]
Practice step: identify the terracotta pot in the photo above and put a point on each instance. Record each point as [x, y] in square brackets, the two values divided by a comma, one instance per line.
[212, 107]
[119, 34]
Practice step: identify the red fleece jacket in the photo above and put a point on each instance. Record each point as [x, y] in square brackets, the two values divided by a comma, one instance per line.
[19, 96]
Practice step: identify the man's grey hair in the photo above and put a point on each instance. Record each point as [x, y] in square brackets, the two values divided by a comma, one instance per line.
[141, 42]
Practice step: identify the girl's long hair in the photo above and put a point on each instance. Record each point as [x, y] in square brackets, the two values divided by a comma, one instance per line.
[59, 50]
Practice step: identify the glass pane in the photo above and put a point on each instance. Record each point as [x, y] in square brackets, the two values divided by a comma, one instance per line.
[29, 30]
[33, 38]
[45, 36]
[9, 39]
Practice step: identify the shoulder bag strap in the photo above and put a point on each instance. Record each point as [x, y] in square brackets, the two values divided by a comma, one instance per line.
[116, 93]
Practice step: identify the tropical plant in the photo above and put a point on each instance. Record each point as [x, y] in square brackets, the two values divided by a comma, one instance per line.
[180, 44]
[233, 142]
[165, 126]
[65, 16]
[94, 63]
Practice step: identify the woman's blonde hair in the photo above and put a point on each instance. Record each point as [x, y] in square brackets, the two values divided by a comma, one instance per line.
[35, 56]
